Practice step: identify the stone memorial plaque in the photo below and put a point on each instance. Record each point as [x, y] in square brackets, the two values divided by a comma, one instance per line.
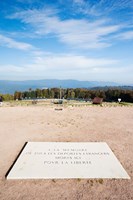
[59, 160]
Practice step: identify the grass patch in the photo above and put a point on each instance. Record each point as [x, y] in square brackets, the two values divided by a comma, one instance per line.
[126, 104]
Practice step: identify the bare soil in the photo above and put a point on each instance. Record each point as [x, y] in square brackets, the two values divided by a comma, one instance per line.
[113, 125]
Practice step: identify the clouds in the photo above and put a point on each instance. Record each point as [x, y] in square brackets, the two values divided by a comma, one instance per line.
[59, 66]
[66, 62]
[79, 39]
[101, 7]
[11, 43]
[65, 66]
[126, 36]
[81, 33]
[63, 62]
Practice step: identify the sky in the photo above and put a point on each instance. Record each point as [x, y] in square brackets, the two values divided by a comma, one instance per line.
[88, 40]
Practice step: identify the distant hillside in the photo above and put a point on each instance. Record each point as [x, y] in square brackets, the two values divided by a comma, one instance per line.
[113, 87]
[12, 86]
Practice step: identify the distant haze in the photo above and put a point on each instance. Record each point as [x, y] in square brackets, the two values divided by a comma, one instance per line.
[12, 86]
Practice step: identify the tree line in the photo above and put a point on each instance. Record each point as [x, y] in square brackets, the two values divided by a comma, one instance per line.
[7, 97]
[108, 95]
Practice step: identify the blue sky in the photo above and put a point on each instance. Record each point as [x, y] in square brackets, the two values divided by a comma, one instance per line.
[67, 39]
